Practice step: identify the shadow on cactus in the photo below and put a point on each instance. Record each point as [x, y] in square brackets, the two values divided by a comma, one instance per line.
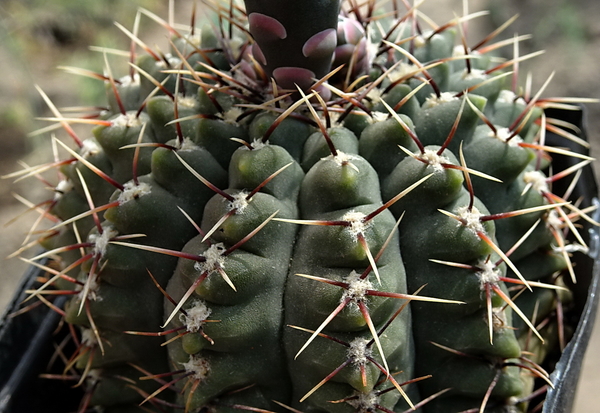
[312, 207]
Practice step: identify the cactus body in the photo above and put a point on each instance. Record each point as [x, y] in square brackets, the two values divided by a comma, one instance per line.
[331, 243]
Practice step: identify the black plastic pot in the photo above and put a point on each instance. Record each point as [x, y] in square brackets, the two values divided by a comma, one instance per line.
[25, 351]
[26, 340]
[587, 290]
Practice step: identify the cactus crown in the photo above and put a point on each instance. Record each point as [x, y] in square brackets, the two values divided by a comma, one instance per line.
[380, 236]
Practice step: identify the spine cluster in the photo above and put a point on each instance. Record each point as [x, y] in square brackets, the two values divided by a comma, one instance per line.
[248, 228]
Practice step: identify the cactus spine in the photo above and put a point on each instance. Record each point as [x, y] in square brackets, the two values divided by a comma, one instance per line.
[376, 237]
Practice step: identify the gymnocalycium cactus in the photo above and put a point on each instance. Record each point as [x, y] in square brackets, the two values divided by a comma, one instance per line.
[317, 207]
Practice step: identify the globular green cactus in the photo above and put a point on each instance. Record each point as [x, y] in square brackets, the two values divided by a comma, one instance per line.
[251, 228]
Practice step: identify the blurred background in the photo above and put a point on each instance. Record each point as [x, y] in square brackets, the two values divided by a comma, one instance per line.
[37, 36]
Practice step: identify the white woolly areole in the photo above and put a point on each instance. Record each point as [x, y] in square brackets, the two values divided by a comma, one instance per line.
[342, 158]
[93, 376]
[88, 148]
[196, 316]
[434, 160]
[133, 191]
[474, 74]
[472, 218]
[65, 186]
[256, 144]
[377, 117]
[508, 96]
[194, 39]
[88, 338]
[357, 224]
[489, 273]
[129, 80]
[499, 320]
[459, 50]
[173, 61]
[333, 117]
[358, 351]
[553, 219]
[230, 116]
[537, 180]
[511, 404]
[186, 146]
[186, 101]
[214, 258]
[239, 203]
[374, 94]
[357, 287]
[503, 134]
[198, 366]
[419, 41]
[92, 291]
[434, 100]
[127, 120]
[401, 71]
[364, 402]
[101, 241]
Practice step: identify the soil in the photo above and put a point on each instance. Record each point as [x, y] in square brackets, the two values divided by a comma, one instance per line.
[569, 31]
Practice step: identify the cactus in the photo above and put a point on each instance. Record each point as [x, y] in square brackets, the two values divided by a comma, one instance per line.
[251, 228]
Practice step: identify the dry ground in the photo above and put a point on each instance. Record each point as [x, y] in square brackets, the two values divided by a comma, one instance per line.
[568, 30]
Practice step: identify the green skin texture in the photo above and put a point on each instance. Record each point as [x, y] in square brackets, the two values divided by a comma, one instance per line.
[249, 328]
[332, 252]
[254, 345]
